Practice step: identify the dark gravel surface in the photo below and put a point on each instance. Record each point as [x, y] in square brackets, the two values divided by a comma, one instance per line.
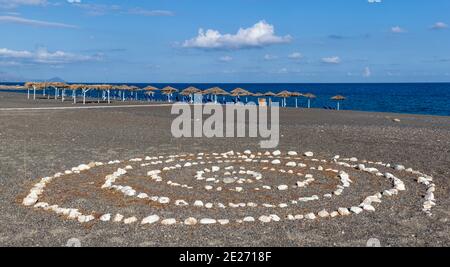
[38, 143]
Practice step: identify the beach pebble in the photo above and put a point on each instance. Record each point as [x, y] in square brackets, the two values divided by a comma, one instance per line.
[228, 180]
[291, 164]
[190, 221]
[368, 207]
[343, 211]
[223, 221]
[150, 219]
[399, 168]
[164, 200]
[310, 216]
[130, 220]
[276, 153]
[334, 214]
[283, 187]
[105, 217]
[292, 153]
[198, 203]
[309, 154]
[276, 162]
[208, 221]
[170, 221]
[265, 219]
[249, 219]
[356, 210]
[118, 218]
[323, 214]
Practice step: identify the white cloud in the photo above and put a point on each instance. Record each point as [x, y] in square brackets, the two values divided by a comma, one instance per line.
[259, 35]
[295, 55]
[269, 57]
[74, 1]
[439, 26]
[16, 3]
[374, 1]
[43, 56]
[226, 59]
[31, 22]
[150, 13]
[331, 60]
[367, 72]
[397, 29]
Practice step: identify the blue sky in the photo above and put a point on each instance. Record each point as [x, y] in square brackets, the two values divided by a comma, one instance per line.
[240, 41]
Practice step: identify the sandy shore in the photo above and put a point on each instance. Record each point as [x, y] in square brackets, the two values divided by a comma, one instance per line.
[38, 143]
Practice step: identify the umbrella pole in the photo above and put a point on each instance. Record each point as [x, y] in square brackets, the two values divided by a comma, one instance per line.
[62, 95]
[74, 95]
[296, 103]
[309, 103]
[123, 96]
[109, 101]
[338, 105]
[28, 93]
[43, 92]
[84, 96]
[34, 93]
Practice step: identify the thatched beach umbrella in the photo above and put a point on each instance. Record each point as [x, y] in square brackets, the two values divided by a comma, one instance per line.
[309, 96]
[29, 85]
[74, 88]
[58, 85]
[296, 95]
[150, 90]
[238, 92]
[216, 91]
[270, 95]
[191, 91]
[284, 95]
[169, 90]
[338, 99]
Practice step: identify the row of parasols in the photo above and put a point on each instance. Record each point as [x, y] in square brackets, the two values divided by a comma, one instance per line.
[126, 92]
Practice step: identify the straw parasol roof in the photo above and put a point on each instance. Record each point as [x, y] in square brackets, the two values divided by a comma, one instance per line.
[191, 90]
[309, 95]
[12, 87]
[270, 94]
[338, 98]
[215, 91]
[257, 94]
[77, 86]
[150, 88]
[100, 86]
[240, 92]
[296, 94]
[169, 90]
[284, 94]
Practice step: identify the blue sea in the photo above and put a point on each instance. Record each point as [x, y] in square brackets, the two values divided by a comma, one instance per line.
[411, 98]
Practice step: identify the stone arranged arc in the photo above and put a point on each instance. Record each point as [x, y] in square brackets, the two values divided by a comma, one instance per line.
[238, 173]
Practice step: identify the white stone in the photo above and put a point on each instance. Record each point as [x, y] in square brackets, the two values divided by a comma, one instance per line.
[198, 203]
[142, 195]
[275, 217]
[105, 217]
[283, 187]
[310, 216]
[276, 153]
[309, 154]
[118, 218]
[356, 210]
[368, 207]
[190, 221]
[150, 219]
[292, 153]
[181, 203]
[323, 214]
[265, 219]
[276, 162]
[168, 221]
[130, 220]
[215, 169]
[334, 214]
[223, 221]
[164, 200]
[208, 221]
[344, 211]
[249, 219]
[291, 164]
